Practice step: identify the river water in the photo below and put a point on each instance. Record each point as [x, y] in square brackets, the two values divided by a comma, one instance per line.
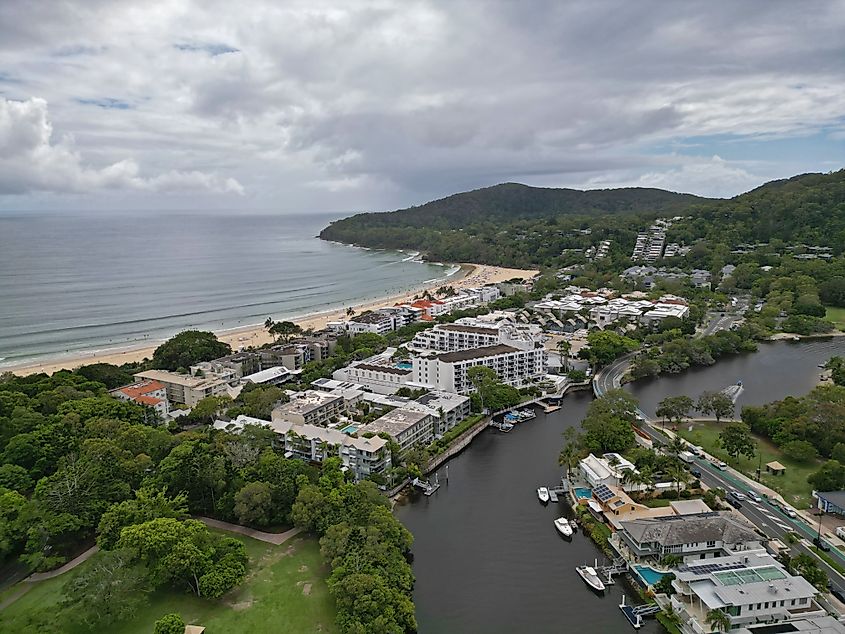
[486, 555]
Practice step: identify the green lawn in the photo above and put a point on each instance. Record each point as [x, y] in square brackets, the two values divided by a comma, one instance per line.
[275, 597]
[793, 486]
[837, 316]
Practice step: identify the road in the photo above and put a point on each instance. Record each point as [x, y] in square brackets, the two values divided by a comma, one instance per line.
[770, 521]
[725, 320]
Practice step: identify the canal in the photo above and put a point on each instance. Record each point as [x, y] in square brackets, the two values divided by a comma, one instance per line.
[487, 557]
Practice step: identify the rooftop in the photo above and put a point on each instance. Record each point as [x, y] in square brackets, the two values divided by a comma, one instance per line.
[395, 422]
[476, 353]
[686, 529]
[185, 380]
[474, 329]
[305, 402]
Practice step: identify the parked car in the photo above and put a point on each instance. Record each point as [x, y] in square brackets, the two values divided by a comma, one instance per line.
[722, 466]
[821, 544]
[695, 473]
[790, 512]
[754, 495]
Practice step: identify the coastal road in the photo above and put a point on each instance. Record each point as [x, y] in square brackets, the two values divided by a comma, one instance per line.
[769, 520]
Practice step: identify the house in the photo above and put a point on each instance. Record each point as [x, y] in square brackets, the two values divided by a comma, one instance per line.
[831, 501]
[691, 537]
[405, 426]
[751, 588]
[775, 468]
[270, 376]
[608, 470]
[310, 407]
[148, 393]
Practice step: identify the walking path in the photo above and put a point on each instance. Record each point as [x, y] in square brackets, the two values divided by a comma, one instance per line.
[270, 538]
[22, 590]
[73, 563]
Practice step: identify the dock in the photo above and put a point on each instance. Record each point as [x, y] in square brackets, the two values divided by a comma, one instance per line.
[618, 567]
[427, 487]
[553, 495]
[635, 613]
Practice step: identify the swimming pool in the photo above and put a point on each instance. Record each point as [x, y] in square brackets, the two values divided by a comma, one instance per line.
[583, 493]
[405, 365]
[350, 429]
[649, 575]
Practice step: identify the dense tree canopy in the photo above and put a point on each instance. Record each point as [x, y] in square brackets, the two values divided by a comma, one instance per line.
[188, 348]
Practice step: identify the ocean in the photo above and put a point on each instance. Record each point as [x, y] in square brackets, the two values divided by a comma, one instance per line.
[77, 282]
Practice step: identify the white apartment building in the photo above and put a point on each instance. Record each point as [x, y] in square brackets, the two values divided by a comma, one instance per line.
[448, 371]
[379, 373]
[310, 408]
[184, 388]
[469, 333]
[362, 456]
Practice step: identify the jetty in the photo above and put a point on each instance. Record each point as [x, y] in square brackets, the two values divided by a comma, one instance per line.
[635, 613]
[618, 567]
[428, 488]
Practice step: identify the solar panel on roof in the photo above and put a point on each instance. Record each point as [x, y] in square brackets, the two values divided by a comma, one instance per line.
[603, 493]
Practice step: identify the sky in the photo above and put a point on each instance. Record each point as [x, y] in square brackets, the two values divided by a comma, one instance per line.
[316, 106]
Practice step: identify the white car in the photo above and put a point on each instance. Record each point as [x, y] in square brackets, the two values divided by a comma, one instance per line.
[754, 496]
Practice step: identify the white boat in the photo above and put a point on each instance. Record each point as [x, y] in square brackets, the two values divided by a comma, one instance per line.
[543, 494]
[563, 527]
[590, 577]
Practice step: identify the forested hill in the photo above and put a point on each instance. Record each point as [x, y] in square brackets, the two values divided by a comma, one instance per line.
[517, 225]
[808, 209]
[507, 202]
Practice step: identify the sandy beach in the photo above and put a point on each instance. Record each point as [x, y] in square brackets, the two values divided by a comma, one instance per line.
[471, 275]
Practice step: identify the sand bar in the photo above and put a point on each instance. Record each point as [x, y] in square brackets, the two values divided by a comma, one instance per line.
[471, 275]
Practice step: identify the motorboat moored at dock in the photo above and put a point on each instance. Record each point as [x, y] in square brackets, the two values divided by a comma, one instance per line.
[563, 527]
[543, 494]
[590, 577]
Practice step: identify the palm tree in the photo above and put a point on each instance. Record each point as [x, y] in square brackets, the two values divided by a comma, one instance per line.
[571, 449]
[677, 446]
[679, 476]
[718, 621]
[564, 347]
[350, 311]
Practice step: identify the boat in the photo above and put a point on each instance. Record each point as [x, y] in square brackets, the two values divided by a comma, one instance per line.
[526, 414]
[573, 525]
[543, 494]
[590, 577]
[563, 527]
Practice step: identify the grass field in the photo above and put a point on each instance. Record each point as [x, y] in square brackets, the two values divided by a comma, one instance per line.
[793, 486]
[285, 591]
[837, 316]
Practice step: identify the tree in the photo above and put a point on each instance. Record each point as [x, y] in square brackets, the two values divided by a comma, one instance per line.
[148, 504]
[284, 330]
[830, 477]
[832, 291]
[209, 408]
[109, 375]
[806, 566]
[571, 449]
[110, 589]
[482, 379]
[800, 451]
[564, 347]
[188, 348]
[718, 621]
[736, 440]
[603, 346]
[679, 475]
[718, 404]
[608, 423]
[674, 408]
[170, 624]
[254, 504]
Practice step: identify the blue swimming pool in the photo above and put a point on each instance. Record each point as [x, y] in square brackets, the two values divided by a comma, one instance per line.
[405, 365]
[350, 429]
[649, 575]
[583, 493]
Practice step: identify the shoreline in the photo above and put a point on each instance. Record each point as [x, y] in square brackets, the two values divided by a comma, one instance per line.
[469, 275]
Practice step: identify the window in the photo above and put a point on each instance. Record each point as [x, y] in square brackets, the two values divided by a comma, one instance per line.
[711, 544]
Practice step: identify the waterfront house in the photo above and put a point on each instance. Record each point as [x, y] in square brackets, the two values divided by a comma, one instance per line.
[608, 470]
[690, 537]
[751, 588]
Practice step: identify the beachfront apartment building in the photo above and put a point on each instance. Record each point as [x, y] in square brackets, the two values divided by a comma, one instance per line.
[310, 408]
[691, 537]
[752, 588]
[186, 389]
[363, 457]
[467, 333]
[407, 427]
[448, 371]
[147, 393]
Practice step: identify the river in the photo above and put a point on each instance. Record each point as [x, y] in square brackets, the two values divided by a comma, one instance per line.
[486, 554]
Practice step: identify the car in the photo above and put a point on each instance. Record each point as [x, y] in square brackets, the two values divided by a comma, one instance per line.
[736, 495]
[734, 503]
[754, 495]
[789, 512]
[695, 473]
[836, 592]
[722, 466]
[821, 544]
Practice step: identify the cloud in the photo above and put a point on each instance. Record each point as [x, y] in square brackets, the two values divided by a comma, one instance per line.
[31, 162]
[320, 104]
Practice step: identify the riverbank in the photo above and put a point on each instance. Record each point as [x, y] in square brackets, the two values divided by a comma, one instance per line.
[470, 275]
